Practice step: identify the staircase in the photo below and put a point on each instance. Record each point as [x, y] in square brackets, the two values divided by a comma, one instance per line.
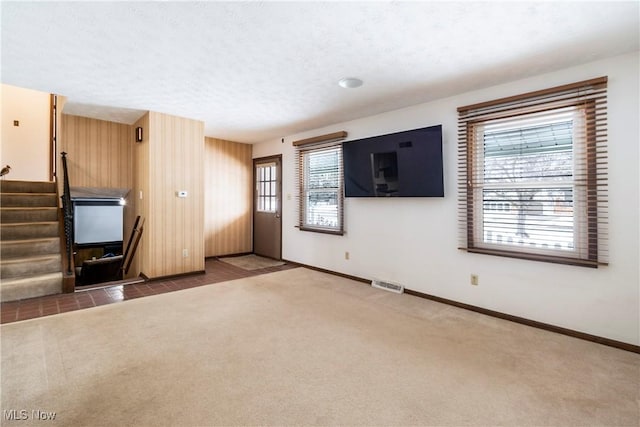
[30, 258]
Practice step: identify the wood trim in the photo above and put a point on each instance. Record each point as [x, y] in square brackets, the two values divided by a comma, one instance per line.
[299, 185]
[68, 284]
[171, 276]
[533, 323]
[52, 136]
[301, 181]
[536, 93]
[140, 183]
[130, 241]
[334, 273]
[592, 179]
[523, 321]
[132, 245]
[536, 257]
[320, 230]
[470, 157]
[59, 146]
[322, 138]
[103, 285]
[239, 254]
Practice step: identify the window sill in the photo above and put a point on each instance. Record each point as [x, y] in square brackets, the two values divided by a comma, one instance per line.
[537, 257]
[322, 230]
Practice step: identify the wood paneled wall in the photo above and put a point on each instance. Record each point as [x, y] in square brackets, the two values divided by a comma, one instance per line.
[228, 197]
[140, 189]
[214, 219]
[172, 161]
[99, 154]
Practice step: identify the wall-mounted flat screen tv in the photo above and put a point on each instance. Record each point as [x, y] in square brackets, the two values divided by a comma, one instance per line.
[402, 164]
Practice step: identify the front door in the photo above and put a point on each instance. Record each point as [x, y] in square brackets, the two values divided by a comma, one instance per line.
[267, 205]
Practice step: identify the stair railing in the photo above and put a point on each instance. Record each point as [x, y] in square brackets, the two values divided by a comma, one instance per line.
[67, 211]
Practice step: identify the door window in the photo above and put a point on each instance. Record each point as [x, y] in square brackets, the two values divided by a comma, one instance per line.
[266, 180]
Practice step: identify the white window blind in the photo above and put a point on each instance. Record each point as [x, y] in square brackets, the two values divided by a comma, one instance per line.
[320, 187]
[533, 175]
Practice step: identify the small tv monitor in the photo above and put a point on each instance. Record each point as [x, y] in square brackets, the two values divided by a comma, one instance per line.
[97, 223]
[402, 164]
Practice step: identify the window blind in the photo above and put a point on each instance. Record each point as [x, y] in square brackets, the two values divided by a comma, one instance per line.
[532, 175]
[319, 179]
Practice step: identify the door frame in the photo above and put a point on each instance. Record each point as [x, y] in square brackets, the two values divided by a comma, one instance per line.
[278, 158]
[53, 136]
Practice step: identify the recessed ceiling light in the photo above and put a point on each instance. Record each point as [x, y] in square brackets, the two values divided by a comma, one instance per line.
[350, 83]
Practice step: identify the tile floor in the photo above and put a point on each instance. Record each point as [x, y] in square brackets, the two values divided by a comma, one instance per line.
[215, 271]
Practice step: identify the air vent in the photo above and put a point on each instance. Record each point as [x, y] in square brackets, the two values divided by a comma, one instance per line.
[387, 286]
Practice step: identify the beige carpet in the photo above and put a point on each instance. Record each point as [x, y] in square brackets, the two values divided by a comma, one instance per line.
[251, 262]
[300, 347]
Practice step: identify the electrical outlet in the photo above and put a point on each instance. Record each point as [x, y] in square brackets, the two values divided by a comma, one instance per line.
[185, 253]
[346, 255]
[474, 279]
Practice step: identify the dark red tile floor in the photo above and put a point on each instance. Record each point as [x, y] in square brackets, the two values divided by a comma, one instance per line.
[215, 272]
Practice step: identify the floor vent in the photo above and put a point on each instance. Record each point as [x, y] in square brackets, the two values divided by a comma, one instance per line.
[387, 286]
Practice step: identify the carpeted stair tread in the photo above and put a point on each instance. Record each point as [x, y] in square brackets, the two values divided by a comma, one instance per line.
[29, 247]
[16, 186]
[13, 289]
[28, 214]
[31, 262]
[28, 199]
[29, 230]
[30, 266]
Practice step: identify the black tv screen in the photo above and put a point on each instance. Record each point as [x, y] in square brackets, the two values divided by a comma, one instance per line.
[402, 164]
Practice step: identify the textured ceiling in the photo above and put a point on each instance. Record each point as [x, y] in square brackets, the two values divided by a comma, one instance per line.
[259, 70]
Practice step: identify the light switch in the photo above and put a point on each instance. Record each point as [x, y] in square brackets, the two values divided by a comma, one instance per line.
[182, 193]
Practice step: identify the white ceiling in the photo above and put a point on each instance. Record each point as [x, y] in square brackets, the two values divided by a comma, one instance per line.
[253, 71]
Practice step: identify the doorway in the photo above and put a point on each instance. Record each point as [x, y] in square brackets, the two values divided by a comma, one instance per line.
[267, 207]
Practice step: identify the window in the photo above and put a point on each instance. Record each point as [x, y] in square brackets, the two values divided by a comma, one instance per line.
[320, 187]
[532, 175]
[266, 181]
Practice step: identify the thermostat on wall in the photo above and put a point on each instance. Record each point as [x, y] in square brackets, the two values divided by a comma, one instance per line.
[181, 193]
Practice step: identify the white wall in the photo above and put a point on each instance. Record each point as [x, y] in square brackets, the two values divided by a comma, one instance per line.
[414, 241]
[26, 148]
